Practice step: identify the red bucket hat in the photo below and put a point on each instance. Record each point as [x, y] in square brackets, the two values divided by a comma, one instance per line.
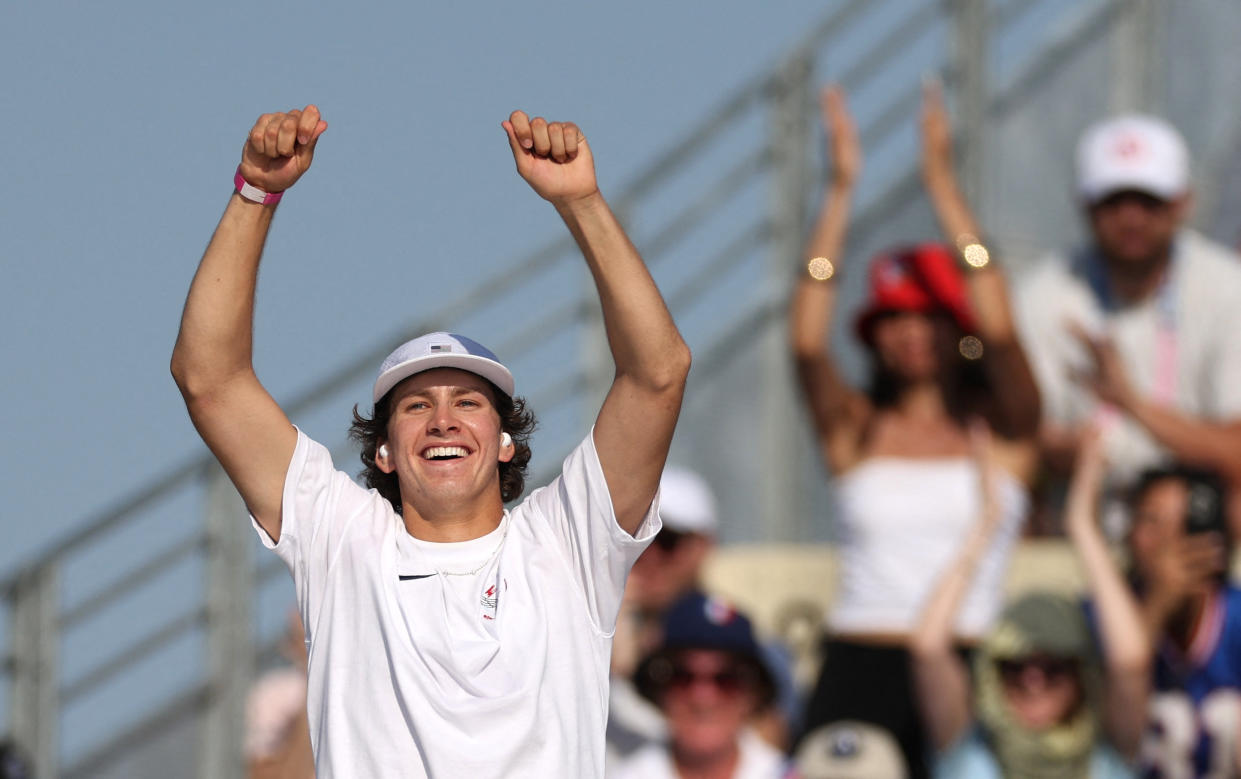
[921, 279]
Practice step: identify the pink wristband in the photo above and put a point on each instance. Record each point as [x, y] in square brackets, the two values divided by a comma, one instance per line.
[253, 193]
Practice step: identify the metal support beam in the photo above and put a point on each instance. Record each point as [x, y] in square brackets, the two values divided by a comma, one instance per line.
[35, 703]
[783, 507]
[970, 32]
[1136, 58]
[230, 657]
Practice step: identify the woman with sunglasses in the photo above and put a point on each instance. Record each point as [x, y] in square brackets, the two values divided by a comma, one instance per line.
[708, 678]
[1045, 701]
[943, 350]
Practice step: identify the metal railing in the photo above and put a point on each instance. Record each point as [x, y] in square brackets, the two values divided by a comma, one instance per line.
[762, 232]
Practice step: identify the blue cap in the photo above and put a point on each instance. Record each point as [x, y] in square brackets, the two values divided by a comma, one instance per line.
[698, 621]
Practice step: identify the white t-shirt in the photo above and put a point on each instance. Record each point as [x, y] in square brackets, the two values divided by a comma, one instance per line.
[1180, 346]
[417, 672]
[758, 760]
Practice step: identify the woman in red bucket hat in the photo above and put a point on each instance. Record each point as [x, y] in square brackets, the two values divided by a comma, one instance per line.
[944, 355]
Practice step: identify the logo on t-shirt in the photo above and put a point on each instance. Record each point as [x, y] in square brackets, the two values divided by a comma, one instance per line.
[491, 598]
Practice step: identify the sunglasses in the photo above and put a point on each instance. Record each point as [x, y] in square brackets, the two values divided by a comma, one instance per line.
[1053, 669]
[728, 681]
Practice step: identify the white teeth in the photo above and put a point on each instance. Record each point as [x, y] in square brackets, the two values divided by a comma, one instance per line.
[444, 451]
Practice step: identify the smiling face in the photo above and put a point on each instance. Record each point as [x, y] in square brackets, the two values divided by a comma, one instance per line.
[443, 442]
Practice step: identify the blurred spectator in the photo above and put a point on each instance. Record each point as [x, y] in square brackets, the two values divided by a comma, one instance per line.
[943, 350]
[1044, 703]
[277, 731]
[672, 565]
[708, 677]
[1179, 548]
[669, 570]
[12, 764]
[1136, 329]
[848, 750]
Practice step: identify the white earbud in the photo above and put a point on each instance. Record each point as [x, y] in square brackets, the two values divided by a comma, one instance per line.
[505, 440]
[383, 450]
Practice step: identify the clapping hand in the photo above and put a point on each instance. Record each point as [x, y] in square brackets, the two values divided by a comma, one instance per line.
[1107, 377]
[842, 142]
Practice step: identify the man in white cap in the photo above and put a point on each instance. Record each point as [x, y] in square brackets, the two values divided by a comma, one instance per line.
[672, 565]
[447, 636]
[1137, 330]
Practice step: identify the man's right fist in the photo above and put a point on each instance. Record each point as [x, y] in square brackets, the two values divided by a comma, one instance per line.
[280, 148]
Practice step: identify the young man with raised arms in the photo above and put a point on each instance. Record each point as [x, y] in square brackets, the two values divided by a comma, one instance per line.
[447, 635]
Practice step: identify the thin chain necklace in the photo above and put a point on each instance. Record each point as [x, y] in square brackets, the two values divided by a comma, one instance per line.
[484, 563]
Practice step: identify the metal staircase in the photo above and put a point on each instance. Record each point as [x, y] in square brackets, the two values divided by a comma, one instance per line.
[719, 216]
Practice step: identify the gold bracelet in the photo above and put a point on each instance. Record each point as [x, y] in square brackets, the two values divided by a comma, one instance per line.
[972, 251]
[820, 269]
[970, 347]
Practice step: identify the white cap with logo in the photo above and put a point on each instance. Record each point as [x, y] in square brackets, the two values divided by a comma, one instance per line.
[1132, 152]
[441, 350]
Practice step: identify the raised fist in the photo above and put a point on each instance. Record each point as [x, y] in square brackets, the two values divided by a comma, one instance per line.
[280, 148]
[552, 157]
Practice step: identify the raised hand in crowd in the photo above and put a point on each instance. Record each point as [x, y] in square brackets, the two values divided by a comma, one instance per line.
[1125, 647]
[1017, 409]
[941, 677]
[836, 407]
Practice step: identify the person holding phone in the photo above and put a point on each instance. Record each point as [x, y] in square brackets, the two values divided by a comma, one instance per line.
[1180, 546]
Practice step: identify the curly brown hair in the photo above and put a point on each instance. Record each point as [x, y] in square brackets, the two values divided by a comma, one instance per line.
[515, 419]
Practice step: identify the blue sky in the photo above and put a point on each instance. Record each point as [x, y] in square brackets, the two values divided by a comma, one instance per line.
[122, 127]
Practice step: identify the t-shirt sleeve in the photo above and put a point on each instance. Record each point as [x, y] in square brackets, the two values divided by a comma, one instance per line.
[316, 512]
[576, 511]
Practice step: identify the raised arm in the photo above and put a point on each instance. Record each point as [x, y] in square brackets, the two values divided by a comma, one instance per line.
[634, 428]
[211, 362]
[838, 410]
[1003, 358]
[941, 680]
[1126, 647]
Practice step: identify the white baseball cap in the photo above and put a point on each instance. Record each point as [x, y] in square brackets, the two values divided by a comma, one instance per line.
[1136, 152]
[441, 350]
[686, 503]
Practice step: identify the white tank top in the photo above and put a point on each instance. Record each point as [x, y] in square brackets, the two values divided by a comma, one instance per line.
[901, 523]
